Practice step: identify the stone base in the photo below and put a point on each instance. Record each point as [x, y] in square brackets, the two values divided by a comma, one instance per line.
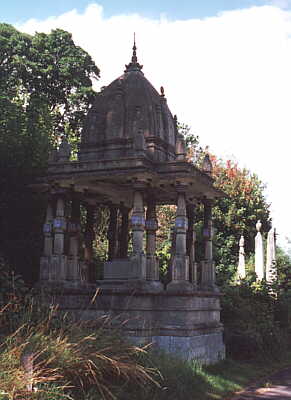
[185, 324]
[205, 348]
[180, 286]
[126, 269]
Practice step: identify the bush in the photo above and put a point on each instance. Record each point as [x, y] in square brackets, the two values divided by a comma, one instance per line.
[249, 314]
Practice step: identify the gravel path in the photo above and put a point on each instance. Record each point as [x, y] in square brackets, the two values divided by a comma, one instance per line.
[277, 387]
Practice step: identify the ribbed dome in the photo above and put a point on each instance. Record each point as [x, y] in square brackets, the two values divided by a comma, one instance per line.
[128, 118]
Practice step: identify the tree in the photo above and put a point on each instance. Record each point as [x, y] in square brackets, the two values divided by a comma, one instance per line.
[234, 215]
[45, 91]
[52, 68]
[237, 213]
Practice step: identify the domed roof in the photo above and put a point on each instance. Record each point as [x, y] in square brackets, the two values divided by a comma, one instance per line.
[129, 118]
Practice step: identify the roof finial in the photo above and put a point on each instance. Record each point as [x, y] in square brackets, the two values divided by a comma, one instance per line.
[134, 65]
[134, 57]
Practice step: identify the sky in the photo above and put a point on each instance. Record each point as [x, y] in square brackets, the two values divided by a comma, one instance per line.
[225, 66]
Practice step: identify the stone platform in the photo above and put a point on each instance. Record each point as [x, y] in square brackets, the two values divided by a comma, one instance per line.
[185, 324]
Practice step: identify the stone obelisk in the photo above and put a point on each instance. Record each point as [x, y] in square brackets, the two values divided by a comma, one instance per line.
[241, 269]
[271, 272]
[259, 253]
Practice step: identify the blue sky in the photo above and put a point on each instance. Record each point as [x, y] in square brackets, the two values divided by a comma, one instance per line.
[225, 66]
[18, 10]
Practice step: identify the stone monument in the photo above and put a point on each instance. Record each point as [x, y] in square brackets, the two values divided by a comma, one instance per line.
[259, 253]
[241, 270]
[271, 272]
[131, 158]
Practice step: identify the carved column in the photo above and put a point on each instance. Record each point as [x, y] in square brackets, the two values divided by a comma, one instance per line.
[59, 262]
[151, 228]
[112, 232]
[123, 233]
[48, 243]
[88, 272]
[172, 254]
[138, 225]
[190, 244]
[74, 242]
[208, 268]
[180, 266]
[48, 238]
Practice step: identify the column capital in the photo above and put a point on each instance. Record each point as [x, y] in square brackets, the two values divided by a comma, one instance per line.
[140, 184]
[208, 202]
[181, 187]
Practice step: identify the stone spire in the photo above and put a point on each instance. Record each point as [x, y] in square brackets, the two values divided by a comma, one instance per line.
[133, 65]
[207, 166]
[259, 253]
[271, 271]
[241, 269]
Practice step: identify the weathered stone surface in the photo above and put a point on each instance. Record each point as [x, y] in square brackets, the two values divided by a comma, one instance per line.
[241, 269]
[259, 253]
[206, 348]
[133, 268]
[271, 270]
[187, 325]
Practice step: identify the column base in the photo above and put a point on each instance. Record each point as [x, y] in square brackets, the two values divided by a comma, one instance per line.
[180, 268]
[180, 286]
[44, 273]
[58, 268]
[73, 272]
[152, 268]
[208, 276]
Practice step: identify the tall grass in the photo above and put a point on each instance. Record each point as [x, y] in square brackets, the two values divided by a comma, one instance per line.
[70, 359]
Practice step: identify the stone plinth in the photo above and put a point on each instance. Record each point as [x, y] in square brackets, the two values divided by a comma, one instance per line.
[185, 324]
[132, 268]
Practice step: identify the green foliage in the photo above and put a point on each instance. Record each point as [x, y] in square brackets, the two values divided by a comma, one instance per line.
[45, 91]
[52, 68]
[234, 215]
[249, 314]
[237, 213]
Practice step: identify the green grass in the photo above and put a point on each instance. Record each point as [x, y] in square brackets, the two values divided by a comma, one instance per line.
[189, 381]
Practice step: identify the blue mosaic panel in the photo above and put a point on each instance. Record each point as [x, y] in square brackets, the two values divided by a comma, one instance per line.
[206, 233]
[59, 223]
[47, 228]
[151, 224]
[181, 222]
[137, 220]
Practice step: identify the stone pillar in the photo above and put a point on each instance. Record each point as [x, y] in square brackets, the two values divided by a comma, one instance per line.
[48, 238]
[59, 259]
[241, 269]
[60, 226]
[151, 225]
[88, 272]
[271, 269]
[190, 245]
[172, 238]
[74, 242]
[259, 253]
[123, 236]
[180, 265]
[138, 258]
[45, 261]
[207, 265]
[112, 233]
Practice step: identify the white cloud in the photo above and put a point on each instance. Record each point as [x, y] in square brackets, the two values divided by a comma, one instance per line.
[228, 76]
[280, 3]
